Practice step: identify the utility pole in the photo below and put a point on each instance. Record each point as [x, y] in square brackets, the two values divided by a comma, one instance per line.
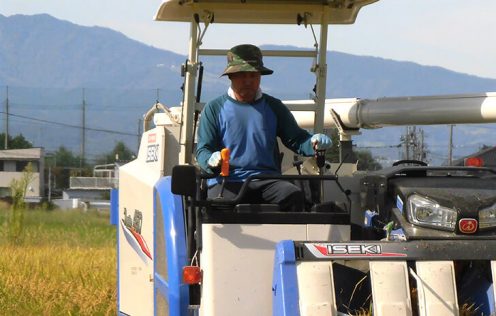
[407, 143]
[51, 164]
[6, 143]
[423, 154]
[413, 141]
[83, 135]
[450, 148]
[49, 183]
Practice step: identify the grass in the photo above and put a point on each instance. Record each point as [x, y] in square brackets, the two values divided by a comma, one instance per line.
[65, 264]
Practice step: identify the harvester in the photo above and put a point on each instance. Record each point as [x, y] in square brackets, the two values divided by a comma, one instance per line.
[411, 239]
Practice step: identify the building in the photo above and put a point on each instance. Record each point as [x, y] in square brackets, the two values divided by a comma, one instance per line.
[12, 164]
[91, 191]
[487, 154]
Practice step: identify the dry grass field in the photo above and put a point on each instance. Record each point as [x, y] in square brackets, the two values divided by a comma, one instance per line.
[65, 264]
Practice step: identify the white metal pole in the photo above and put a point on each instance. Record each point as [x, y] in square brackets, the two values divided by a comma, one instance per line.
[186, 139]
[321, 74]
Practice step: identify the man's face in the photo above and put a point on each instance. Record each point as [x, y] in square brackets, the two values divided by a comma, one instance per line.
[245, 85]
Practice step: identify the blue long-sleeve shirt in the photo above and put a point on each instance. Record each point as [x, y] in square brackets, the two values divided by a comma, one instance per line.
[250, 131]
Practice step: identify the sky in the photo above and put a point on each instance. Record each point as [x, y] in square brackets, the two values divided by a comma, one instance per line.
[455, 34]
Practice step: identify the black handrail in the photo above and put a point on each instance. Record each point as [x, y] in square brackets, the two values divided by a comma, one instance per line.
[244, 188]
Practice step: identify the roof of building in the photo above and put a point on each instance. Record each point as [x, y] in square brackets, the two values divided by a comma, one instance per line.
[481, 153]
[22, 154]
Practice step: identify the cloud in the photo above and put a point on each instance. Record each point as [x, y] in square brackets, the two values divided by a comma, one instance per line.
[475, 131]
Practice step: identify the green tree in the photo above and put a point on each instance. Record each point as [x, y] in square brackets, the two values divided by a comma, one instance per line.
[65, 164]
[365, 159]
[120, 153]
[16, 142]
[65, 158]
[332, 154]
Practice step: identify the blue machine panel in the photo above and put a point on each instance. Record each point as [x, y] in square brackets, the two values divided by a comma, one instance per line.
[170, 249]
[285, 283]
[114, 206]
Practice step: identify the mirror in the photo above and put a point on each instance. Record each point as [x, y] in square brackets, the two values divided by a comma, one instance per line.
[184, 180]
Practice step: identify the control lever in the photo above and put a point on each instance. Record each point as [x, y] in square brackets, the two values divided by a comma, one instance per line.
[225, 154]
[320, 159]
[297, 163]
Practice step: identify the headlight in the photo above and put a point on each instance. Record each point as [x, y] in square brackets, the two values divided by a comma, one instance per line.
[487, 217]
[425, 212]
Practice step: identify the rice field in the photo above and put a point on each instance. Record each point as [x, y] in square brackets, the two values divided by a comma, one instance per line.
[65, 264]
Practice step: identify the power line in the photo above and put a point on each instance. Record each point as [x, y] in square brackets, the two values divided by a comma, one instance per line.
[46, 105]
[73, 106]
[379, 146]
[69, 125]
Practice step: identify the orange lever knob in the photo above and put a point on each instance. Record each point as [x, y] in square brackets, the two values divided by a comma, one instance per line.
[224, 168]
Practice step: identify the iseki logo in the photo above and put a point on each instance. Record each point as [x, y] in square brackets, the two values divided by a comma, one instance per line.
[152, 153]
[354, 249]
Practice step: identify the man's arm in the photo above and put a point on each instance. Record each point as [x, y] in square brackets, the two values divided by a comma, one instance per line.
[208, 135]
[292, 135]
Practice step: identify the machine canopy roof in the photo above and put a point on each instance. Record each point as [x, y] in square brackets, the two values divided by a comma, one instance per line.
[262, 12]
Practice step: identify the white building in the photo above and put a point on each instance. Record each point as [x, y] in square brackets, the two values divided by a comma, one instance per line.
[12, 164]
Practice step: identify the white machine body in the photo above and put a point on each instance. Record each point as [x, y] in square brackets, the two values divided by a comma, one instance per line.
[237, 259]
[237, 262]
[136, 217]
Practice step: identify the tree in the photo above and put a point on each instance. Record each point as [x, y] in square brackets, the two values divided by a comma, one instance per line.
[65, 158]
[332, 154]
[120, 153]
[65, 164]
[17, 142]
[365, 159]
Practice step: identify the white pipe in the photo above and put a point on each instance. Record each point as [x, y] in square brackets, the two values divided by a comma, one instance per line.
[455, 109]
[441, 110]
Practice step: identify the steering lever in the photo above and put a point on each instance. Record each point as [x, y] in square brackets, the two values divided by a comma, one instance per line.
[225, 154]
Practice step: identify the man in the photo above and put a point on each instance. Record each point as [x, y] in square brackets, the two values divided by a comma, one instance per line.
[248, 122]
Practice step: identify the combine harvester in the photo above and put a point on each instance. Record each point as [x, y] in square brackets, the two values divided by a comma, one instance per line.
[407, 240]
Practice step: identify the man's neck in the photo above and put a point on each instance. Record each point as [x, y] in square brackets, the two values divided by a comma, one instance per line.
[233, 95]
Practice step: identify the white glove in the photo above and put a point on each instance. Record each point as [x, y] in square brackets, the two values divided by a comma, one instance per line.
[214, 160]
[321, 141]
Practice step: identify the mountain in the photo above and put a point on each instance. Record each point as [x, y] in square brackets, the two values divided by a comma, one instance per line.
[41, 51]
[53, 67]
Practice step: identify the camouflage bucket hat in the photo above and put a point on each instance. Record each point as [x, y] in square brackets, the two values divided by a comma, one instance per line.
[243, 58]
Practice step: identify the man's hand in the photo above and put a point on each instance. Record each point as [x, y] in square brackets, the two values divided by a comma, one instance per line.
[214, 160]
[321, 141]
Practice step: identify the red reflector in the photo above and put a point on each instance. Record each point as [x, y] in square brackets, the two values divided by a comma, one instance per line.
[192, 275]
[467, 225]
[474, 162]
